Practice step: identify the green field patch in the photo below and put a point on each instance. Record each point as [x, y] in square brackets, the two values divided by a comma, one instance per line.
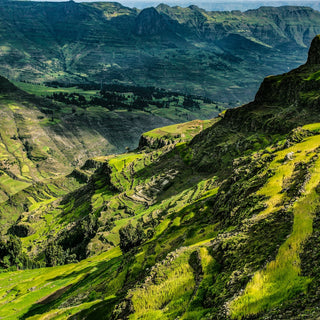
[183, 131]
[12, 186]
[120, 162]
[314, 127]
[41, 90]
[33, 286]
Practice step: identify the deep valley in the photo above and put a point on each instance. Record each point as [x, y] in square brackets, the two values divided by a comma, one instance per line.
[129, 189]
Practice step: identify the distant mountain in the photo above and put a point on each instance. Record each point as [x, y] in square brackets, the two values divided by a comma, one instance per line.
[224, 5]
[222, 55]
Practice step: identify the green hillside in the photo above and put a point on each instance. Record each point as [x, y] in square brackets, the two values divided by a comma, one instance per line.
[44, 139]
[205, 220]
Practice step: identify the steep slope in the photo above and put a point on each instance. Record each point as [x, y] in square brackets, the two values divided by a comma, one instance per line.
[43, 140]
[221, 55]
[224, 226]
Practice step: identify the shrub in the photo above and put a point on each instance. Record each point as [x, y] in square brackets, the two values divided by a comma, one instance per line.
[130, 237]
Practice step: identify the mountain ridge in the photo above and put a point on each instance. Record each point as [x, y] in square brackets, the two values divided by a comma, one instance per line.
[101, 42]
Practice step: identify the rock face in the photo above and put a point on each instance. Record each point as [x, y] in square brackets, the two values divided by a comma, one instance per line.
[314, 52]
[149, 22]
[153, 143]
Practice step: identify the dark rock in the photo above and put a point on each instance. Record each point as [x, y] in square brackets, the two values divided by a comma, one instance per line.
[314, 51]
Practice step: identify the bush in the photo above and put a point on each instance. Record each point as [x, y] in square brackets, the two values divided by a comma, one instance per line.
[54, 255]
[130, 237]
[11, 254]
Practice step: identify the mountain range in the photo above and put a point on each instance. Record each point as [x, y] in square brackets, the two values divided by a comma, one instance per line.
[220, 55]
[224, 5]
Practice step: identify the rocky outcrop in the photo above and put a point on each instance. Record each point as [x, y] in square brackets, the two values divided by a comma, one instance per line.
[149, 22]
[287, 88]
[314, 51]
[154, 143]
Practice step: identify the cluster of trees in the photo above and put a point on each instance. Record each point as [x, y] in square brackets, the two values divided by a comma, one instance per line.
[69, 98]
[12, 257]
[55, 255]
[115, 100]
[190, 104]
[71, 245]
[115, 96]
[132, 236]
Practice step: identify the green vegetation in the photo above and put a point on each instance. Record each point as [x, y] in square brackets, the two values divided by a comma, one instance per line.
[281, 278]
[40, 287]
[204, 220]
[169, 243]
[168, 297]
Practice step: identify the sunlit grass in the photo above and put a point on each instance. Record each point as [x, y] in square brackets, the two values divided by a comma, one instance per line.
[184, 131]
[41, 90]
[169, 295]
[281, 279]
[29, 286]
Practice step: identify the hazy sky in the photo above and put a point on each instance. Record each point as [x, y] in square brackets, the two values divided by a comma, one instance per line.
[182, 2]
[212, 4]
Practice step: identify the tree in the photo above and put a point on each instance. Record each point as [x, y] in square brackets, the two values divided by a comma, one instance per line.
[11, 253]
[54, 255]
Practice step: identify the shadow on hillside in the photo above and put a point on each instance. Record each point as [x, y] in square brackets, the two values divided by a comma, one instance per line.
[100, 310]
[104, 272]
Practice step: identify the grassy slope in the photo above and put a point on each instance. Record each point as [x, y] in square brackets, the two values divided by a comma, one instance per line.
[120, 168]
[37, 286]
[226, 218]
[181, 257]
[138, 188]
[281, 279]
[41, 139]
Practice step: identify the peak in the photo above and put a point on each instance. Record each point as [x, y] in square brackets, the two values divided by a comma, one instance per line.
[162, 6]
[314, 51]
[149, 11]
[194, 7]
[150, 22]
